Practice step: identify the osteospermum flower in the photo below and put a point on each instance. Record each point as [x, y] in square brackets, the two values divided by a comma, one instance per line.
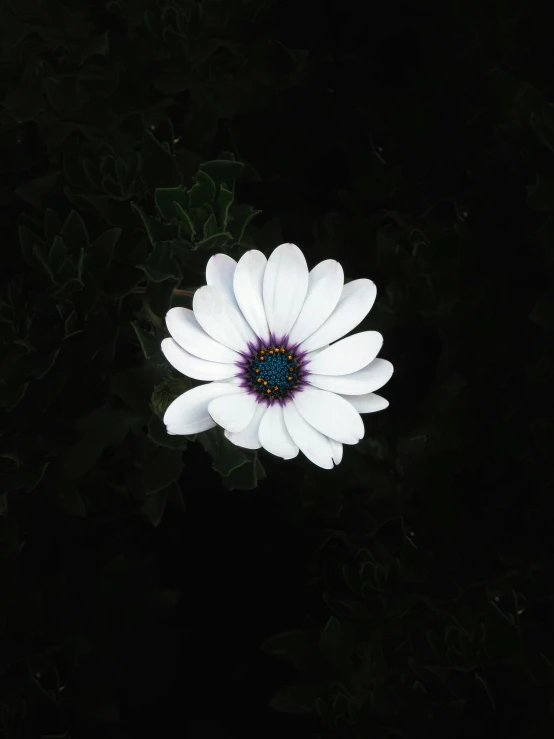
[264, 334]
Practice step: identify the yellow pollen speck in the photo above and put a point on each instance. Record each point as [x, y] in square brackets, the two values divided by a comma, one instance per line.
[259, 379]
[289, 378]
[268, 389]
[265, 382]
[262, 359]
[271, 351]
[289, 357]
[291, 369]
[282, 350]
[258, 369]
[276, 387]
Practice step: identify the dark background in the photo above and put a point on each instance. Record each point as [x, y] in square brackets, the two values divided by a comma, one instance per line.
[154, 586]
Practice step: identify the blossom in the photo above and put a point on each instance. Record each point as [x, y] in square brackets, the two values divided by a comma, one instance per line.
[266, 336]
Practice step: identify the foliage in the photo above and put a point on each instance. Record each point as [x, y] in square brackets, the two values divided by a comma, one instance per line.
[407, 592]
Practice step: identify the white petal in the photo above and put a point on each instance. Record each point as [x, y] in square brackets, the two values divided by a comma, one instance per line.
[368, 403]
[248, 285]
[274, 436]
[188, 333]
[285, 287]
[330, 414]
[188, 414]
[219, 273]
[233, 412]
[220, 319]
[337, 449]
[249, 438]
[312, 444]
[348, 355]
[191, 366]
[366, 380]
[325, 284]
[310, 355]
[355, 303]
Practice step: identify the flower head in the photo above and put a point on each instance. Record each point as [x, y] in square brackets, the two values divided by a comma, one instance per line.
[265, 335]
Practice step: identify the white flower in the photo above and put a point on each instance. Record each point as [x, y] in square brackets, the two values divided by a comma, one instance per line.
[264, 333]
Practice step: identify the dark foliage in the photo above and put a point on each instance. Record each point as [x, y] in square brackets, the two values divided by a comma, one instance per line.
[160, 585]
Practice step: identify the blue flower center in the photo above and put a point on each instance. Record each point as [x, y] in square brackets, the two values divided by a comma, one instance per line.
[274, 372]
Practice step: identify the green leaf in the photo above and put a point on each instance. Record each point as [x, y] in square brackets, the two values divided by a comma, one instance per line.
[334, 643]
[480, 680]
[241, 216]
[297, 698]
[74, 233]
[351, 578]
[158, 435]
[542, 123]
[245, 477]
[186, 229]
[72, 286]
[70, 324]
[65, 496]
[95, 431]
[57, 255]
[150, 344]
[159, 168]
[153, 23]
[98, 44]
[501, 636]
[28, 241]
[159, 266]
[203, 191]
[156, 230]
[12, 393]
[540, 196]
[52, 224]
[93, 171]
[89, 295]
[99, 257]
[164, 394]
[112, 188]
[215, 242]
[293, 646]
[222, 170]
[412, 447]
[161, 467]
[166, 199]
[455, 708]
[200, 215]
[38, 254]
[223, 202]
[104, 709]
[23, 478]
[210, 227]
[226, 457]
[121, 170]
[543, 311]
[163, 599]
[44, 363]
[40, 192]
[133, 168]
[153, 507]
[134, 386]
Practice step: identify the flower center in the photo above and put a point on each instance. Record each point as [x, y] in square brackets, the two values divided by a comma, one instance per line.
[274, 372]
